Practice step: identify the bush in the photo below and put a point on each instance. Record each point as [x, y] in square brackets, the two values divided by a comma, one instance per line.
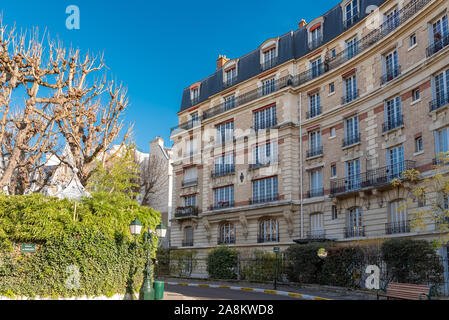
[182, 262]
[222, 263]
[261, 267]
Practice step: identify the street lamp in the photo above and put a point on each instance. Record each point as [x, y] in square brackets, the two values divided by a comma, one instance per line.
[147, 290]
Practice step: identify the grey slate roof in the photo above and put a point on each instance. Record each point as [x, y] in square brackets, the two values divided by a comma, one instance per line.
[292, 45]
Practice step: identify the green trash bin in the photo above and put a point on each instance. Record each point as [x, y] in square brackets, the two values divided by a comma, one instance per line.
[159, 290]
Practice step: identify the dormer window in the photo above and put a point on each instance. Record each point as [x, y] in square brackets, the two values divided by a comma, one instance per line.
[195, 95]
[351, 13]
[230, 77]
[269, 58]
[315, 36]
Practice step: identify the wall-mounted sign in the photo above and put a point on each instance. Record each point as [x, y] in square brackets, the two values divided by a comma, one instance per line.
[28, 247]
[276, 249]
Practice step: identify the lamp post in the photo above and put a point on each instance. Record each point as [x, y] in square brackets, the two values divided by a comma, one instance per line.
[147, 290]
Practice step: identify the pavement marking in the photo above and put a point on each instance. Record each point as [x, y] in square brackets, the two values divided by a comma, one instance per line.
[282, 293]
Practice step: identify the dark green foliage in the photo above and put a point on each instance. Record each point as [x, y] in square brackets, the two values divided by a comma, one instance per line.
[261, 267]
[222, 263]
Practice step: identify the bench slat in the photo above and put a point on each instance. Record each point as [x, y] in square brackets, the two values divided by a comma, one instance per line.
[405, 291]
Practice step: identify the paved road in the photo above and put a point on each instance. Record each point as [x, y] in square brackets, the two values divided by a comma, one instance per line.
[175, 292]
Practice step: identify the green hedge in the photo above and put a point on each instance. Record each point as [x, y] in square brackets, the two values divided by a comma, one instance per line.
[91, 236]
[222, 263]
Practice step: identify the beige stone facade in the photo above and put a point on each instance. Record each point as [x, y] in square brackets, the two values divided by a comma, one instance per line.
[356, 201]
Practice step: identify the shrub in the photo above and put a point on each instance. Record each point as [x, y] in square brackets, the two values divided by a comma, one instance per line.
[261, 267]
[222, 263]
[182, 262]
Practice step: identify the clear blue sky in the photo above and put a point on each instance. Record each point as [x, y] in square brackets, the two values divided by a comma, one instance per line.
[157, 48]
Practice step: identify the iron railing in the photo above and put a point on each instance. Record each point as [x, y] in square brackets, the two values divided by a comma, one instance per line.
[183, 212]
[349, 97]
[393, 124]
[228, 240]
[222, 205]
[355, 232]
[316, 235]
[315, 152]
[391, 75]
[397, 227]
[371, 178]
[439, 102]
[186, 125]
[223, 171]
[351, 140]
[190, 182]
[229, 82]
[315, 193]
[264, 199]
[438, 45]
[313, 112]
[348, 23]
[187, 243]
[310, 74]
[258, 165]
[268, 238]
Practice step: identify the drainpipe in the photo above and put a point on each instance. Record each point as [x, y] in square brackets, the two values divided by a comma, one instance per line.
[300, 167]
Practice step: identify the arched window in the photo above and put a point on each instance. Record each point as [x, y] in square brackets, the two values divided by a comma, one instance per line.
[226, 233]
[188, 237]
[355, 226]
[268, 231]
[398, 220]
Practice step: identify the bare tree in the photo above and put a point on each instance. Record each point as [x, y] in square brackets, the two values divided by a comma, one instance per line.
[153, 178]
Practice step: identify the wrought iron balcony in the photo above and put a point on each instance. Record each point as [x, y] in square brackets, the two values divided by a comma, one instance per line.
[316, 235]
[370, 179]
[222, 204]
[184, 212]
[187, 243]
[355, 232]
[223, 171]
[391, 75]
[438, 45]
[351, 140]
[439, 102]
[313, 113]
[190, 182]
[348, 23]
[265, 199]
[226, 240]
[258, 165]
[315, 152]
[397, 227]
[229, 82]
[393, 124]
[185, 126]
[268, 238]
[315, 193]
[269, 64]
[350, 97]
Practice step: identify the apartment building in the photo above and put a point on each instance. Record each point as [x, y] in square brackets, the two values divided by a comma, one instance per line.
[299, 140]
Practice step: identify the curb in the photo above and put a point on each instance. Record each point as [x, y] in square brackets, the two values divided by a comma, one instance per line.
[260, 290]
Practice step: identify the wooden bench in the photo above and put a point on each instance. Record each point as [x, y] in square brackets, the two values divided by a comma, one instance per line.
[405, 291]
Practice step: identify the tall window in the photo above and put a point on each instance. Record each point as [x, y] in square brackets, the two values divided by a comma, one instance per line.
[314, 105]
[393, 114]
[268, 86]
[225, 132]
[315, 146]
[265, 153]
[195, 95]
[398, 218]
[189, 201]
[316, 226]
[224, 165]
[315, 37]
[192, 147]
[441, 141]
[188, 237]
[316, 67]
[352, 48]
[353, 176]
[352, 134]
[229, 103]
[350, 89]
[355, 226]
[441, 89]
[392, 19]
[230, 77]
[269, 59]
[226, 234]
[351, 12]
[265, 118]
[440, 29]
[391, 67]
[224, 197]
[268, 231]
[190, 176]
[265, 190]
[395, 162]
[316, 183]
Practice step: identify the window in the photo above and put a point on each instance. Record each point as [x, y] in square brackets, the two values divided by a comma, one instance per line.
[350, 89]
[418, 145]
[316, 37]
[268, 86]
[188, 237]
[441, 141]
[230, 77]
[398, 218]
[226, 234]
[441, 90]
[351, 13]
[316, 226]
[192, 147]
[265, 190]
[225, 132]
[333, 132]
[314, 105]
[266, 153]
[352, 135]
[331, 88]
[353, 176]
[413, 41]
[334, 213]
[355, 227]
[440, 29]
[392, 19]
[194, 117]
[333, 171]
[268, 231]
[195, 95]
[190, 176]
[189, 201]
[391, 67]
[333, 53]
[395, 162]
[352, 48]
[316, 67]
[265, 118]
[315, 146]
[269, 59]
[224, 165]
[316, 183]
[393, 114]
[421, 200]
[416, 95]
[224, 197]
[229, 103]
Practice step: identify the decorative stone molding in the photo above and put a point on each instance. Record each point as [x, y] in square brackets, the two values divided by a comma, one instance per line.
[207, 227]
[395, 194]
[288, 216]
[244, 223]
[379, 197]
[351, 203]
[366, 200]
[315, 208]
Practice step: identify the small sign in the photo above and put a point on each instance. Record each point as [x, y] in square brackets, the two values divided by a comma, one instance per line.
[28, 247]
[322, 253]
[276, 249]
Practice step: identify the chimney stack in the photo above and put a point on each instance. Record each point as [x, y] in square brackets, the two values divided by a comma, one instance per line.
[221, 61]
[302, 23]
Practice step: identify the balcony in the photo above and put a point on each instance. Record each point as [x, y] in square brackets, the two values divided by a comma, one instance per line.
[355, 232]
[229, 82]
[375, 178]
[393, 124]
[187, 243]
[351, 140]
[391, 75]
[438, 45]
[185, 126]
[222, 204]
[223, 171]
[439, 102]
[269, 64]
[350, 97]
[228, 240]
[265, 199]
[259, 165]
[315, 152]
[348, 23]
[190, 182]
[313, 113]
[397, 227]
[316, 235]
[310, 74]
[268, 238]
[186, 212]
[313, 193]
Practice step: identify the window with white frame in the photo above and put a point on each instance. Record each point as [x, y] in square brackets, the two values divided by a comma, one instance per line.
[355, 226]
[224, 164]
[391, 68]
[440, 29]
[441, 142]
[224, 197]
[418, 144]
[268, 230]
[316, 67]
[391, 19]
[268, 86]
[351, 13]
[441, 89]
[227, 233]
[351, 131]
[413, 40]
[229, 102]
[269, 58]
[334, 213]
[350, 89]
[225, 132]
[398, 217]
[195, 95]
[395, 162]
[230, 76]
[191, 147]
[314, 104]
[190, 176]
[265, 153]
[315, 146]
[315, 36]
[317, 225]
[189, 201]
[393, 114]
[265, 118]
[316, 183]
[265, 190]
[351, 48]
[188, 237]
[353, 176]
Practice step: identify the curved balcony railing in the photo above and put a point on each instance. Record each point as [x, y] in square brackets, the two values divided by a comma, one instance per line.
[391, 75]
[351, 140]
[264, 199]
[349, 97]
[186, 125]
[315, 152]
[393, 124]
[438, 45]
[223, 171]
[184, 212]
[439, 102]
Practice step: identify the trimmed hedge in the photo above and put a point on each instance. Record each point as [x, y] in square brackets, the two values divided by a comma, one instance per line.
[222, 263]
